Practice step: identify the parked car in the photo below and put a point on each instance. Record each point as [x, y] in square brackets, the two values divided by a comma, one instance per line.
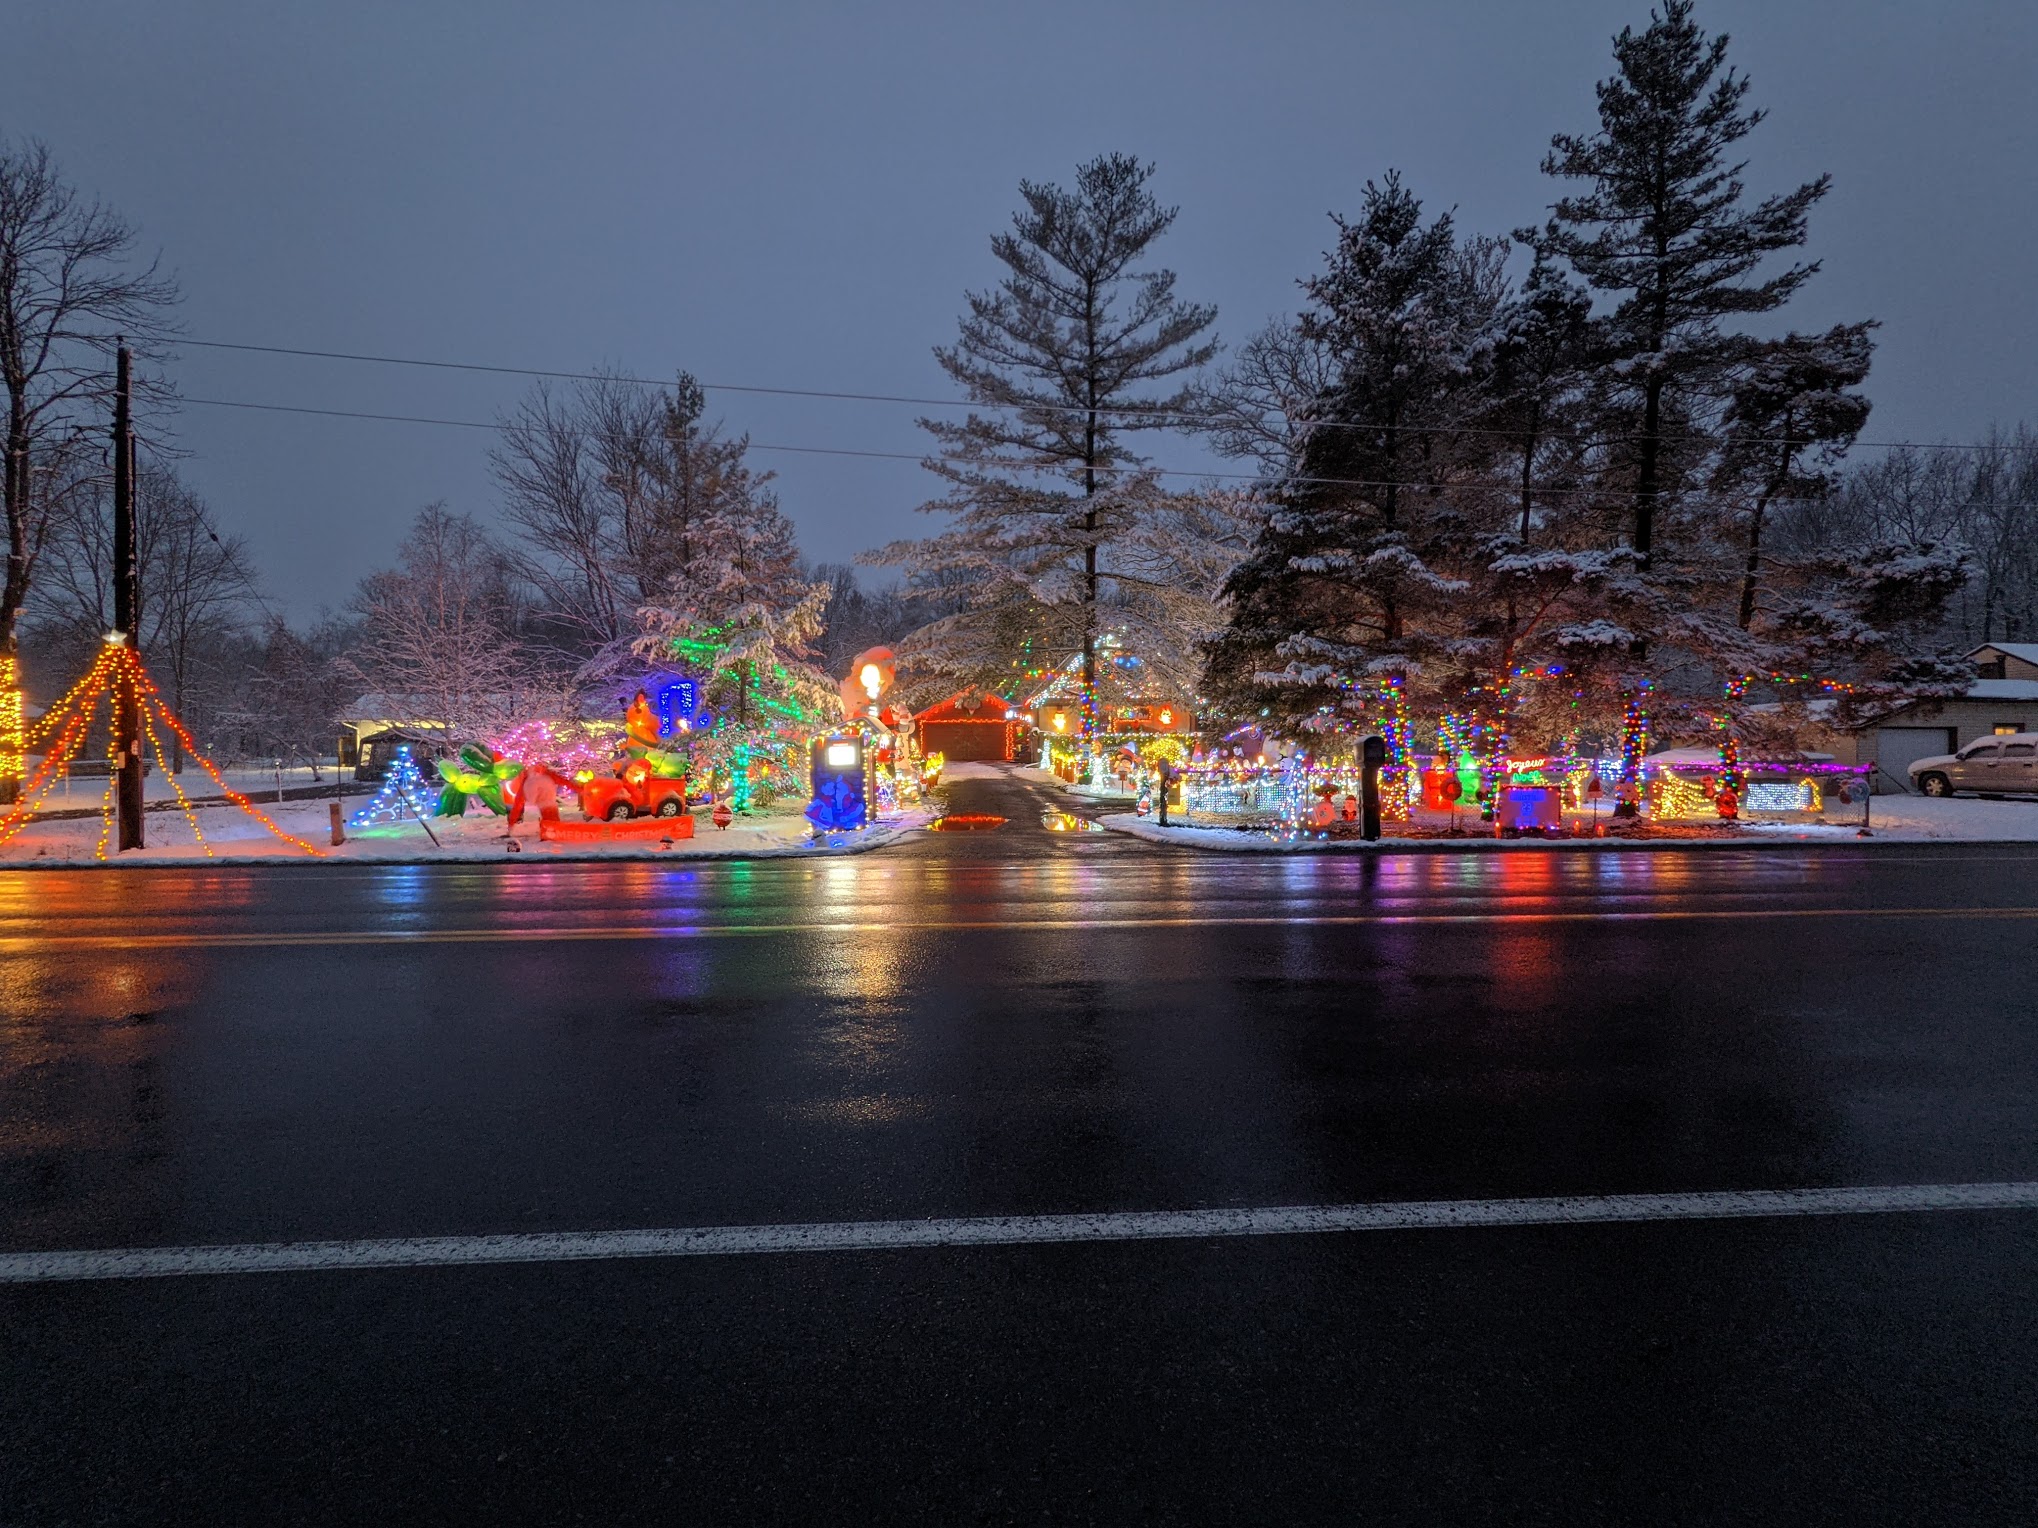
[632, 792]
[2006, 764]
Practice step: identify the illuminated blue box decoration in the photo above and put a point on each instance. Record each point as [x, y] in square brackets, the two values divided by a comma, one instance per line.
[841, 785]
[678, 705]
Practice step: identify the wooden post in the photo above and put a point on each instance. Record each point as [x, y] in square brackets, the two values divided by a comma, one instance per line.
[127, 731]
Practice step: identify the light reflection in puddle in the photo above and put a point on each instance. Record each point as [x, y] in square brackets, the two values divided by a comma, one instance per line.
[966, 822]
[1068, 822]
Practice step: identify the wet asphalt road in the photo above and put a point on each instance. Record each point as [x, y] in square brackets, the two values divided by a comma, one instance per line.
[1025, 1021]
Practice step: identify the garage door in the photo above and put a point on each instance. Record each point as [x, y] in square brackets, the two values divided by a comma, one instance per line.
[969, 740]
[1897, 747]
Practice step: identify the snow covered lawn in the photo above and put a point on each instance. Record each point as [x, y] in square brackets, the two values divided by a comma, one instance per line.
[1896, 820]
[1913, 819]
[235, 837]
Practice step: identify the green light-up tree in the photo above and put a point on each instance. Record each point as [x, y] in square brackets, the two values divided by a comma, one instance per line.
[746, 624]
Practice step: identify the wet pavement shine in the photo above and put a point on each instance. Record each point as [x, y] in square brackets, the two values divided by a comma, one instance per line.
[1026, 1021]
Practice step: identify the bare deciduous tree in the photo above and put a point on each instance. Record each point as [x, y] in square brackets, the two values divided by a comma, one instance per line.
[625, 493]
[70, 281]
[198, 588]
[441, 629]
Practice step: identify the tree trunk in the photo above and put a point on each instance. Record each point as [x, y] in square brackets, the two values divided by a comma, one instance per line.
[13, 594]
[1390, 511]
[1646, 472]
[1090, 515]
[1751, 577]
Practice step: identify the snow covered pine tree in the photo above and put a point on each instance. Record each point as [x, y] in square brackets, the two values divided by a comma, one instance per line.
[1060, 529]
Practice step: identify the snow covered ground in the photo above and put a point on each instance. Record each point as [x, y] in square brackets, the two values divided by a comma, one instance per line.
[1912, 819]
[85, 792]
[1896, 819]
[233, 837]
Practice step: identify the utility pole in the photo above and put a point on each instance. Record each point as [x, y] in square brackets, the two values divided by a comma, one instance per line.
[127, 740]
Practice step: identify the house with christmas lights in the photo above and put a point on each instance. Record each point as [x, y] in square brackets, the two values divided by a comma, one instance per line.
[1131, 698]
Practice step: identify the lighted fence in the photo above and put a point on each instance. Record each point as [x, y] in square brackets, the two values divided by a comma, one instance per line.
[1288, 791]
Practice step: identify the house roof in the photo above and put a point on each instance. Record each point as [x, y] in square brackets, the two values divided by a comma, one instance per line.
[383, 706]
[1123, 679]
[2023, 652]
[968, 706]
[1978, 691]
[391, 706]
[1709, 758]
[2004, 689]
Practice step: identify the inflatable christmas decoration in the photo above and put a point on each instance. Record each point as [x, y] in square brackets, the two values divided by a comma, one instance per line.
[476, 774]
[870, 678]
[536, 788]
[646, 779]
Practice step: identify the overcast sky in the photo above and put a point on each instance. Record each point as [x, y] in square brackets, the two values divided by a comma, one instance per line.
[785, 195]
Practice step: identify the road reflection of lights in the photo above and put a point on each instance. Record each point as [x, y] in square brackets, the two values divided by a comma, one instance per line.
[861, 967]
[403, 885]
[1068, 822]
[1527, 965]
[863, 1110]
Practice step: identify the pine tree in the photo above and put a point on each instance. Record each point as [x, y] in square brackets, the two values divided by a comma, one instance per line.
[1663, 226]
[1792, 416]
[1063, 356]
[744, 617]
[1541, 352]
[1354, 565]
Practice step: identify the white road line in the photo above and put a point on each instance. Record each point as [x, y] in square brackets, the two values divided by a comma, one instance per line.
[197, 939]
[999, 1231]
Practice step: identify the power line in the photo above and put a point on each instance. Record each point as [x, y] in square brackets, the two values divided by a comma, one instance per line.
[1507, 491]
[1168, 416]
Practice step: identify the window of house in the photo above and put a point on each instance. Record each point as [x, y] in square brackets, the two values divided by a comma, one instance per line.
[1991, 668]
[2005, 729]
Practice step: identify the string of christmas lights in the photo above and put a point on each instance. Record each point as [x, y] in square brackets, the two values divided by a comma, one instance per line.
[1634, 734]
[118, 675]
[13, 743]
[112, 781]
[183, 801]
[55, 762]
[401, 797]
[129, 663]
